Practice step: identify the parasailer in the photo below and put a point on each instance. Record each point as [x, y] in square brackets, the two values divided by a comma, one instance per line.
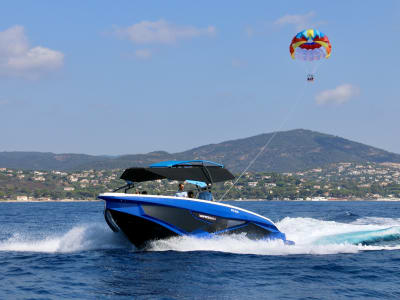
[310, 45]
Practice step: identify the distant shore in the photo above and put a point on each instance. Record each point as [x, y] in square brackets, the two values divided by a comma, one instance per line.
[327, 200]
[238, 200]
[61, 200]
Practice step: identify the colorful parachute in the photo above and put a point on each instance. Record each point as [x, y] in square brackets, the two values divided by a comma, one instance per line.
[310, 45]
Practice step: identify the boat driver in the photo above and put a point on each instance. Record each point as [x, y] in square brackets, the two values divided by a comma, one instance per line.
[181, 192]
[205, 194]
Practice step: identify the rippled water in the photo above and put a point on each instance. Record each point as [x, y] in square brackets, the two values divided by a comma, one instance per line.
[344, 250]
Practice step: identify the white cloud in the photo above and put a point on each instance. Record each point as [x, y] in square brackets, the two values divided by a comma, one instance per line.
[143, 53]
[36, 58]
[17, 58]
[338, 95]
[300, 22]
[147, 32]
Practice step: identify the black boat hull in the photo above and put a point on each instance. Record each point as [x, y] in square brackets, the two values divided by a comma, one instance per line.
[143, 218]
[139, 231]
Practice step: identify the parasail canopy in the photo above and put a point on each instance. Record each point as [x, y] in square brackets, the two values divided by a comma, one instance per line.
[310, 45]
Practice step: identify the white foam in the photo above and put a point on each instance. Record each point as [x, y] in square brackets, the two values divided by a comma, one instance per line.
[79, 238]
[307, 230]
[242, 245]
[303, 231]
[388, 222]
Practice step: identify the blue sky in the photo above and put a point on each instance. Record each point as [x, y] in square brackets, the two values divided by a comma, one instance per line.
[106, 77]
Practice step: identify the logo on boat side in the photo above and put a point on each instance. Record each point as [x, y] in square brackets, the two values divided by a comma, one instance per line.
[234, 210]
[207, 217]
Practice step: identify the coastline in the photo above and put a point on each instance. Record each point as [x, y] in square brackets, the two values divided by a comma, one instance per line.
[236, 200]
[324, 200]
[51, 200]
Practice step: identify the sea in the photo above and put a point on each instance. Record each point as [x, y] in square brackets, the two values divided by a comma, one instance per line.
[65, 250]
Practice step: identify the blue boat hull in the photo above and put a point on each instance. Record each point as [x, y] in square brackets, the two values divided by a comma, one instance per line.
[143, 218]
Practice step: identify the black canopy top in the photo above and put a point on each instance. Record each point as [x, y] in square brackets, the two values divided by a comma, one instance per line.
[205, 171]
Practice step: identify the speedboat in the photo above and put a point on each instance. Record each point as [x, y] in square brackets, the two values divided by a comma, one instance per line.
[143, 218]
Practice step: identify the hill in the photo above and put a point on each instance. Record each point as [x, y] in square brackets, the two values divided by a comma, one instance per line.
[288, 151]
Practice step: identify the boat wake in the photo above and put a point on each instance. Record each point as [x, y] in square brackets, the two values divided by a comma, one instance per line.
[79, 238]
[312, 236]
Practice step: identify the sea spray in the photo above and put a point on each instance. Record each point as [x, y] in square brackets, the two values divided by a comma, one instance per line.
[79, 238]
[312, 236]
[309, 230]
[308, 234]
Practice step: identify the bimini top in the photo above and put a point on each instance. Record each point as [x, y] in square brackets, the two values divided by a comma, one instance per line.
[187, 163]
[197, 170]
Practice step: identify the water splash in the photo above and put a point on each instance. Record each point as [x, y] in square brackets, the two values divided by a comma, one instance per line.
[312, 236]
[389, 235]
[79, 238]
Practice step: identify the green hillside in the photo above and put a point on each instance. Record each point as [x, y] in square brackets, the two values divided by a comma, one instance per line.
[288, 151]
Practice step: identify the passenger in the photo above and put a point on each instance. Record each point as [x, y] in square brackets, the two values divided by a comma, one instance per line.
[190, 194]
[144, 193]
[181, 192]
[206, 195]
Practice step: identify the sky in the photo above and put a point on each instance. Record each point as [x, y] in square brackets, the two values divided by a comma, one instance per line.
[127, 77]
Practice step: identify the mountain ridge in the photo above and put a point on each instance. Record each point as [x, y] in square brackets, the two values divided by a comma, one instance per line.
[288, 151]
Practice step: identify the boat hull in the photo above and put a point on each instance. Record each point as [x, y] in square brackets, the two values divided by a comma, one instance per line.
[137, 229]
[143, 218]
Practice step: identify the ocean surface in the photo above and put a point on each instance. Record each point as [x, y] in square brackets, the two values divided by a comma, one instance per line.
[65, 250]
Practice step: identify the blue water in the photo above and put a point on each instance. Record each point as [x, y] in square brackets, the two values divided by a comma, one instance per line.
[344, 250]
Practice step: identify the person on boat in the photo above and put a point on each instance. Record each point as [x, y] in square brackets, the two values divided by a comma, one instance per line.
[181, 192]
[190, 194]
[205, 194]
